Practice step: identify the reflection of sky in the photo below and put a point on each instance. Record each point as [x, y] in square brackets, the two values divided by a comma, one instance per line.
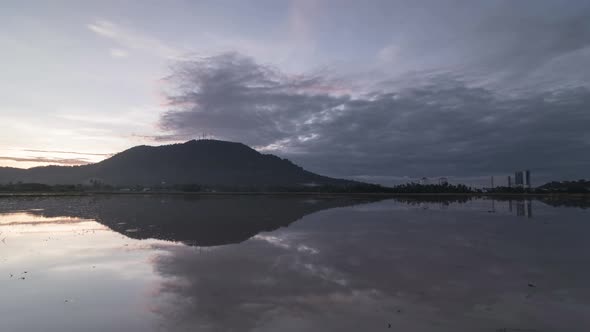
[354, 268]
[367, 266]
[79, 276]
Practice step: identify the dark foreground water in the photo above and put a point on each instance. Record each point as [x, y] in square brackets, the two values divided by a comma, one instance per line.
[262, 263]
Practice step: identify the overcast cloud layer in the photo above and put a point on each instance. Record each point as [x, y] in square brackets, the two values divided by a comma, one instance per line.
[463, 89]
[380, 90]
[441, 127]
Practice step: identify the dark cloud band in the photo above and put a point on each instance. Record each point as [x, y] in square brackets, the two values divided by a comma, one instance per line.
[443, 127]
[55, 161]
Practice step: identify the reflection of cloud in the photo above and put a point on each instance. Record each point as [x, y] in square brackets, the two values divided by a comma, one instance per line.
[212, 293]
[28, 223]
[446, 275]
[273, 240]
[304, 248]
[324, 273]
[285, 243]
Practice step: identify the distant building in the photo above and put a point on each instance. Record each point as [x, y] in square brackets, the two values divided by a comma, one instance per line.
[93, 182]
[518, 179]
[442, 181]
[424, 180]
[509, 181]
[522, 179]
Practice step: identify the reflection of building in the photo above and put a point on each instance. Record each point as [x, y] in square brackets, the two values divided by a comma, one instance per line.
[524, 208]
[519, 208]
[529, 209]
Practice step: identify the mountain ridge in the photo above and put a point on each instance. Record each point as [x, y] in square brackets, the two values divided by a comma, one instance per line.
[204, 162]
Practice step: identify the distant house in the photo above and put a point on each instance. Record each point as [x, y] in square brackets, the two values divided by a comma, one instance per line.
[311, 184]
[93, 182]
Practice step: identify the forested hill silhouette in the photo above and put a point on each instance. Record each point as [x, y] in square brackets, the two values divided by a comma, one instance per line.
[202, 162]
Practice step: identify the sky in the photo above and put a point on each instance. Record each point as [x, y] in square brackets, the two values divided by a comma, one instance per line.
[381, 91]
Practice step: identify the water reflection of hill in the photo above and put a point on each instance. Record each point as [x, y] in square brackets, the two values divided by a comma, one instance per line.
[582, 201]
[218, 220]
[202, 221]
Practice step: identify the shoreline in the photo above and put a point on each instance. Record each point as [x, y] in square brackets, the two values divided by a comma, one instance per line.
[325, 194]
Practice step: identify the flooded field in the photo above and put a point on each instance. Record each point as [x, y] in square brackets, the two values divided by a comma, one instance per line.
[302, 263]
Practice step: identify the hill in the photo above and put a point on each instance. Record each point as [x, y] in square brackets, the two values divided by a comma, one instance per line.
[203, 162]
[580, 186]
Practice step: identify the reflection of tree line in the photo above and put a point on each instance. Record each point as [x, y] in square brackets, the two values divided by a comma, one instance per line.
[522, 207]
[443, 200]
[567, 201]
[217, 220]
[519, 206]
[202, 221]
[579, 201]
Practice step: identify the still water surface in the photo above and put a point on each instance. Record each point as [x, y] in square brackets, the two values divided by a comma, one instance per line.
[264, 263]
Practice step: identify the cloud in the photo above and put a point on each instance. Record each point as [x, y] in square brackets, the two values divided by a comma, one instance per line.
[230, 95]
[69, 152]
[519, 37]
[133, 40]
[118, 53]
[528, 44]
[55, 161]
[531, 46]
[388, 54]
[443, 126]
